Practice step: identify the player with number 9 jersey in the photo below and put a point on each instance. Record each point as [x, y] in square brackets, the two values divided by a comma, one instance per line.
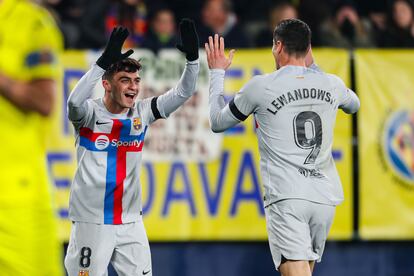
[295, 109]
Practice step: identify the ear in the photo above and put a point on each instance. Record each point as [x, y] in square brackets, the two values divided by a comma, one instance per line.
[279, 47]
[107, 85]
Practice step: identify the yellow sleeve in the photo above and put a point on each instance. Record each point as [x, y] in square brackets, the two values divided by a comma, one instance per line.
[41, 59]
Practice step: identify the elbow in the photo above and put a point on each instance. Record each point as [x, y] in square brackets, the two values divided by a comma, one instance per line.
[46, 110]
[352, 108]
[216, 129]
[44, 107]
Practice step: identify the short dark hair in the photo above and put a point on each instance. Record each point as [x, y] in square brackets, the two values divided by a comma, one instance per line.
[129, 65]
[295, 35]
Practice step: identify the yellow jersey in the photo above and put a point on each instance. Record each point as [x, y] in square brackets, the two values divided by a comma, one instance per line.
[30, 44]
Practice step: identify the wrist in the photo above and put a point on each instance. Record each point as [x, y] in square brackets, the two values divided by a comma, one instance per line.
[192, 57]
[217, 71]
[103, 62]
[196, 61]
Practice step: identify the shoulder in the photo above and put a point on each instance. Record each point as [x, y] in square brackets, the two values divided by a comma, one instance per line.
[334, 79]
[95, 102]
[145, 105]
[34, 13]
[259, 80]
[42, 23]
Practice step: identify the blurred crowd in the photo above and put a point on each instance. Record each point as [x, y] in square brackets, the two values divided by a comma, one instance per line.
[243, 23]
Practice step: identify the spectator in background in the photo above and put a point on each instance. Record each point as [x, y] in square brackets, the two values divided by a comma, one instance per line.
[279, 12]
[248, 11]
[400, 29]
[92, 24]
[29, 73]
[377, 15]
[161, 33]
[181, 8]
[218, 18]
[345, 29]
[376, 11]
[314, 17]
[100, 17]
[131, 14]
[67, 15]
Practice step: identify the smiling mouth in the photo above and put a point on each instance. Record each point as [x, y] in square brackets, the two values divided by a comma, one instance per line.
[130, 95]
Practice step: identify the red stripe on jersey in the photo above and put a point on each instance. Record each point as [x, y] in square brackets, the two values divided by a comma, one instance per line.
[119, 190]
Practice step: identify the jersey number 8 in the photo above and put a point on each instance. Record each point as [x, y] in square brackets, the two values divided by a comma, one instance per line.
[85, 259]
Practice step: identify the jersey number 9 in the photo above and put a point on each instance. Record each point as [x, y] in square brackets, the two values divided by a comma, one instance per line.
[311, 141]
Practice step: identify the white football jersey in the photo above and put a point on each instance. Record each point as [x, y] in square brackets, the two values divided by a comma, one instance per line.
[295, 110]
[106, 187]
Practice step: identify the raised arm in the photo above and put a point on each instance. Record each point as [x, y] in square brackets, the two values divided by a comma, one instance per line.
[222, 115]
[77, 101]
[167, 103]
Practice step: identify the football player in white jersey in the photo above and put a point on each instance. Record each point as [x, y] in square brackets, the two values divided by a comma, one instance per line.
[105, 201]
[295, 109]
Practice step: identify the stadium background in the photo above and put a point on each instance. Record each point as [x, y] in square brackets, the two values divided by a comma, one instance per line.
[202, 201]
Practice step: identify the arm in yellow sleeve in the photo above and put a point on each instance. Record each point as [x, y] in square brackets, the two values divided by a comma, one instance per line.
[34, 96]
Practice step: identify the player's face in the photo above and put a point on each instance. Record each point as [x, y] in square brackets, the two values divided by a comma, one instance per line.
[124, 89]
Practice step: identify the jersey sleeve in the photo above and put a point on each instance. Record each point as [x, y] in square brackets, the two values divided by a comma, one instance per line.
[348, 100]
[148, 109]
[245, 102]
[79, 108]
[162, 106]
[224, 116]
[41, 58]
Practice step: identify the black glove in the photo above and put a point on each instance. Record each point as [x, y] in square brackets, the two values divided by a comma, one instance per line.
[189, 39]
[112, 52]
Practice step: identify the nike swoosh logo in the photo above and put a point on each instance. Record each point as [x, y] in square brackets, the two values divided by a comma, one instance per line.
[146, 272]
[101, 123]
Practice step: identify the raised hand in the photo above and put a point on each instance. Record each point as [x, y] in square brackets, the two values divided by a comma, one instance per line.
[189, 39]
[216, 58]
[112, 52]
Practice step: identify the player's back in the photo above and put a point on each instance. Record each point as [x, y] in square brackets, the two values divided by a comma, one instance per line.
[295, 112]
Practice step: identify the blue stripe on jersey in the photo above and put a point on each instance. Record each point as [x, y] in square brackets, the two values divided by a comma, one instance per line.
[88, 144]
[112, 162]
[110, 187]
[126, 129]
[111, 169]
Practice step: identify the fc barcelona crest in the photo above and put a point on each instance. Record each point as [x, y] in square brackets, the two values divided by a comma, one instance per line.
[137, 123]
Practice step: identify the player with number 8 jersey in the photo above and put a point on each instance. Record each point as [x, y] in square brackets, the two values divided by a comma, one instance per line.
[105, 201]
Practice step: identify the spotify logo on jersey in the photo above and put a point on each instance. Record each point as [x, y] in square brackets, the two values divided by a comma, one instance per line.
[102, 142]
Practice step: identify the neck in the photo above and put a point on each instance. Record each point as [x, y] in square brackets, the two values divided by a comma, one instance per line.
[290, 60]
[112, 106]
